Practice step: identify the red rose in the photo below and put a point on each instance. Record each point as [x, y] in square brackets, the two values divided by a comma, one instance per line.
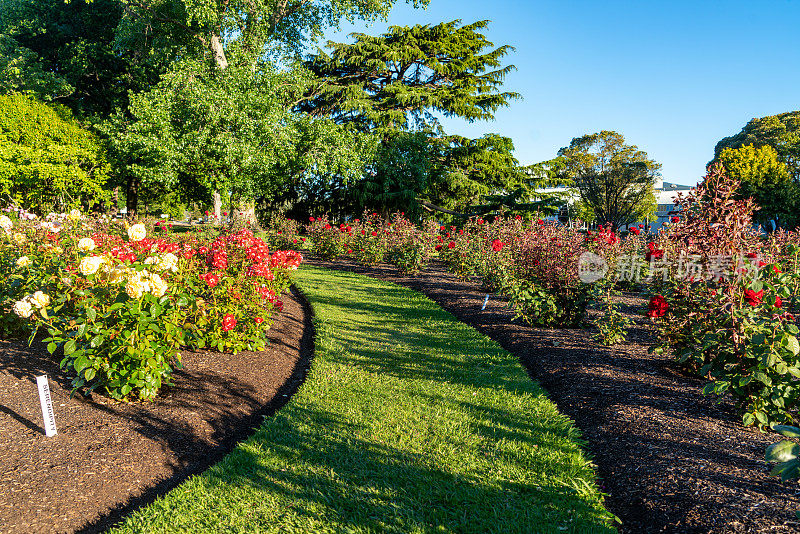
[438, 248]
[540, 222]
[211, 279]
[658, 306]
[753, 298]
[675, 219]
[311, 219]
[778, 301]
[374, 234]
[641, 226]
[655, 253]
[259, 320]
[228, 322]
[225, 213]
[635, 231]
[451, 244]
[497, 245]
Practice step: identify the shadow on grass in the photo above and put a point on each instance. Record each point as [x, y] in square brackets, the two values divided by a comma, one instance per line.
[351, 484]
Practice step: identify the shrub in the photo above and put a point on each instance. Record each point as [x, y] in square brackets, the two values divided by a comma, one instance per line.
[120, 309]
[47, 160]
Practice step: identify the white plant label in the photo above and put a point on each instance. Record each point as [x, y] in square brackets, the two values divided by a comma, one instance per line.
[484, 302]
[47, 406]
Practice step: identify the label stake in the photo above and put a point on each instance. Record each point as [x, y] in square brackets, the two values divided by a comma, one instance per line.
[47, 406]
[484, 302]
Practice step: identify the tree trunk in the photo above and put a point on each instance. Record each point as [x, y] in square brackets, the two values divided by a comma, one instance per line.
[217, 206]
[222, 63]
[132, 197]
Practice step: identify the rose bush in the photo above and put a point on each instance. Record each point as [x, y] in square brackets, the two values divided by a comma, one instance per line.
[120, 309]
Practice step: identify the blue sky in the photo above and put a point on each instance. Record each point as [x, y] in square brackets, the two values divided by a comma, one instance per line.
[672, 77]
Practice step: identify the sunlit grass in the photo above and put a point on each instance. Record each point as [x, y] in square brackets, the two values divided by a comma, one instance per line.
[409, 421]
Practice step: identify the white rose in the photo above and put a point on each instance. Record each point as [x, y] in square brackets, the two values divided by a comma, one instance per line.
[23, 308]
[86, 244]
[137, 232]
[5, 223]
[74, 215]
[169, 262]
[40, 299]
[24, 261]
[150, 260]
[135, 288]
[90, 265]
[158, 286]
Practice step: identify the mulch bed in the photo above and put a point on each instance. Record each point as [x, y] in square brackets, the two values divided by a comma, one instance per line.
[109, 458]
[669, 458]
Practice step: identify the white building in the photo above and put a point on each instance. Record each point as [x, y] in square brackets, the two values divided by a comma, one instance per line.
[665, 192]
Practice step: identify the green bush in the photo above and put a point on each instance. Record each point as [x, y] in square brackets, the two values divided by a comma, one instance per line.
[48, 161]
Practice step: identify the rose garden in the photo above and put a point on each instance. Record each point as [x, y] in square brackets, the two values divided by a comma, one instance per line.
[250, 283]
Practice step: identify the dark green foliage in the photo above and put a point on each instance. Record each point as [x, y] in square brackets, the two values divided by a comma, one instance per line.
[69, 53]
[397, 80]
[47, 160]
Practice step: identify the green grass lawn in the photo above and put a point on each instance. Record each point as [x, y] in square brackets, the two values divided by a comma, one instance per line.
[409, 421]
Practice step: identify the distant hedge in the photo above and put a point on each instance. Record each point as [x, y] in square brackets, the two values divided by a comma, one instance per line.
[48, 161]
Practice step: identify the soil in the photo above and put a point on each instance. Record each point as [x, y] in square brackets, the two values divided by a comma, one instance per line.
[110, 458]
[669, 458]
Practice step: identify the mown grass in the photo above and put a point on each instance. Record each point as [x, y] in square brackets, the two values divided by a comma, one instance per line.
[409, 421]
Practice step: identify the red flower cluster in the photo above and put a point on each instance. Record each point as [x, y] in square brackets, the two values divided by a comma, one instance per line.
[228, 322]
[210, 278]
[654, 252]
[754, 298]
[497, 245]
[658, 306]
[634, 230]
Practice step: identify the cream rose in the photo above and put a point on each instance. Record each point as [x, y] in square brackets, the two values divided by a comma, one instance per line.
[24, 261]
[40, 299]
[74, 215]
[23, 308]
[5, 223]
[86, 244]
[90, 265]
[135, 288]
[169, 261]
[137, 232]
[157, 286]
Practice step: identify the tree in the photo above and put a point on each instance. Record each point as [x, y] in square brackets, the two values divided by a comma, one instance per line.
[765, 178]
[47, 160]
[613, 179]
[398, 80]
[781, 132]
[67, 51]
[395, 85]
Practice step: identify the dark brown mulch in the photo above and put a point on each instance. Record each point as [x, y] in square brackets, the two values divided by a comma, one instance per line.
[109, 458]
[669, 458]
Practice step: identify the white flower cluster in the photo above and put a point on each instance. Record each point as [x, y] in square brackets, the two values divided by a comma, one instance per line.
[86, 244]
[167, 262]
[137, 232]
[91, 264]
[6, 224]
[25, 307]
[24, 261]
[145, 282]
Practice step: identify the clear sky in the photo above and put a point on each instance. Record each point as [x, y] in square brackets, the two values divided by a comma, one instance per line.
[672, 77]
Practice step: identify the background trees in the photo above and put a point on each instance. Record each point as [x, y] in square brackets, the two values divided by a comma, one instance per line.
[396, 86]
[765, 156]
[47, 160]
[613, 179]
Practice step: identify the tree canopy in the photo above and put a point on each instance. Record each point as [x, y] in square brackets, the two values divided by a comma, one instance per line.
[765, 178]
[47, 160]
[399, 80]
[614, 180]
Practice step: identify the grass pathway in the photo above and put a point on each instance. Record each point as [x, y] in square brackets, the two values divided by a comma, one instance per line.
[409, 421]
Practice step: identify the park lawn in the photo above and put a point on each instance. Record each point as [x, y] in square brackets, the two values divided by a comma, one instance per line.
[408, 421]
